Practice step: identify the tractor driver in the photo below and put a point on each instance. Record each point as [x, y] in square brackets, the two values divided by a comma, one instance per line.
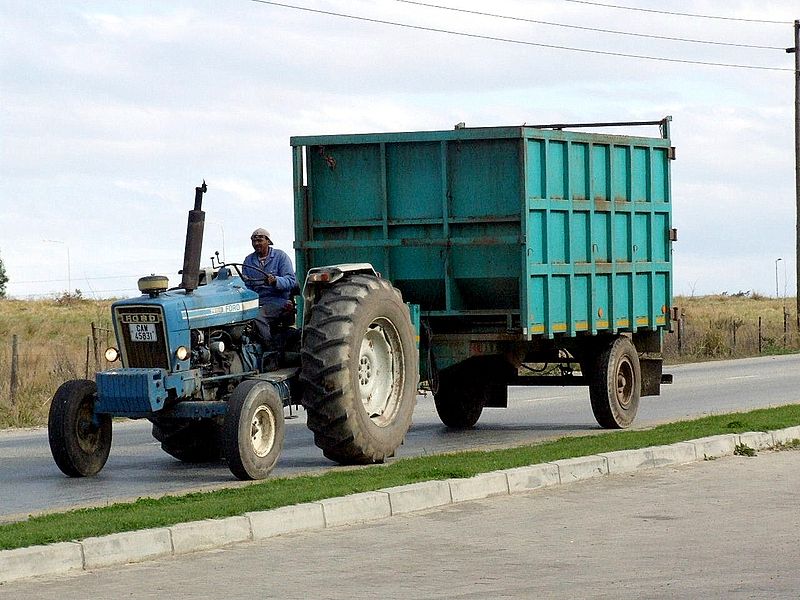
[269, 272]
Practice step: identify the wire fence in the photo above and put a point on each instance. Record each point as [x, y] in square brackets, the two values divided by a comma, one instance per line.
[29, 372]
[730, 337]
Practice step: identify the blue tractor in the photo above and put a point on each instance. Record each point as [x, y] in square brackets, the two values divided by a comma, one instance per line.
[193, 365]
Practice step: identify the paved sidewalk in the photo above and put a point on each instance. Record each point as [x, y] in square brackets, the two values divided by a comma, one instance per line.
[725, 528]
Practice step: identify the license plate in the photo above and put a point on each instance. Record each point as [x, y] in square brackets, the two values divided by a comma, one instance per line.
[143, 332]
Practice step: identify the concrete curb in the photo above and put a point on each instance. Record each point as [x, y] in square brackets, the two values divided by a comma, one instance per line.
[418, 496]
[210, 533]
[148, 544]
[130, 546]
[287, 519]
[357, 508]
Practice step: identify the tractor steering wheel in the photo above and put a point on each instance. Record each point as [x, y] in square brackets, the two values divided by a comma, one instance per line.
[241, 273]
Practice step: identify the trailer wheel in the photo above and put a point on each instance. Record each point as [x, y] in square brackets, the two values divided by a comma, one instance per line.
[79, 440]
[459, 406]
[360, 370]
[615, 387]
[253, 429]
[190, 440]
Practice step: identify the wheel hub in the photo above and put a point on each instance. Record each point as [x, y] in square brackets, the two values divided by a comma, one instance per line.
[365, 369]
[262, 430]
[625, 383]
[87, 433]
[380, 371]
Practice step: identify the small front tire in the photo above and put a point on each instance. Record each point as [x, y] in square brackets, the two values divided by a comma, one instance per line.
[253, 430]
[80, 440]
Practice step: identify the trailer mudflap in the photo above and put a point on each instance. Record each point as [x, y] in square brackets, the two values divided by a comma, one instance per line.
[652, 378]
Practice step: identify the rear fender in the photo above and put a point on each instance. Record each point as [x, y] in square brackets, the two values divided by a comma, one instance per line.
[319, 278]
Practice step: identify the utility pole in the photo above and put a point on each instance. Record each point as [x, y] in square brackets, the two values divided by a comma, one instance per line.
[796, 51]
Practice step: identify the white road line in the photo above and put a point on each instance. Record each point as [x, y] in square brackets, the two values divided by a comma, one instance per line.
[541, 399]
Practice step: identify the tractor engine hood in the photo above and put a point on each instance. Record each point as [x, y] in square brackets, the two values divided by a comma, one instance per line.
[149, 329]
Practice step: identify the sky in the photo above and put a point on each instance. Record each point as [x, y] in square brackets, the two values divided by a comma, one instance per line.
[111, 112]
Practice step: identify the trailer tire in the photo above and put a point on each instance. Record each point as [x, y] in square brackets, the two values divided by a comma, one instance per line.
[253, 429]
[459, 406]
[615, 387]
[80, 441]
[190, 440]
[360, 370]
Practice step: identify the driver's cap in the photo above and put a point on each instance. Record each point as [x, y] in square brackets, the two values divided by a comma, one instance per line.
[261, 232]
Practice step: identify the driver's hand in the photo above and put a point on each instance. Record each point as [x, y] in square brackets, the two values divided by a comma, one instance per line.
[271, 280]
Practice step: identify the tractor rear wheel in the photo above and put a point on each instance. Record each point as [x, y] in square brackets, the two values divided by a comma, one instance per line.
[253, 429]
[616, 382]
[360, 370]
[190, 440]
[80, 440]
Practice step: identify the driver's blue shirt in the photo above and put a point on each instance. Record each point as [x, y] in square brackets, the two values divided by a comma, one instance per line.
[276, 263]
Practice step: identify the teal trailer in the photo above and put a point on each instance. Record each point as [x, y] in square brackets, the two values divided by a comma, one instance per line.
[521, 246]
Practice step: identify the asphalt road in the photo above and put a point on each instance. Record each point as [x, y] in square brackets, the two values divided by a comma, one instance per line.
[30, 482]
[716, 529]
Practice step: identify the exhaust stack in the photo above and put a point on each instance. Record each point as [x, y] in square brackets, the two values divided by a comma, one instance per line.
[194, 242]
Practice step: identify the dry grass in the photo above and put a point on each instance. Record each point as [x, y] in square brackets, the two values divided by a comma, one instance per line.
[51, 348]
[724, 326]
[52, 341]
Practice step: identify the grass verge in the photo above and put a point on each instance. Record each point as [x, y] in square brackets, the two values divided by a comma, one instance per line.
[273, 493]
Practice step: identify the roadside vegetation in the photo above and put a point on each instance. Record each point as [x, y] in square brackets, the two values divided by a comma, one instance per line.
[52, 337]
[55, 341]
[731, 326]
[274, 493]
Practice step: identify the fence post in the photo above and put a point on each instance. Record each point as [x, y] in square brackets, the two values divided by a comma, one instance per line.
[759, 335]
[785, 314]
[96, 346]
[88, 340]
[14, 370]
[680, 335]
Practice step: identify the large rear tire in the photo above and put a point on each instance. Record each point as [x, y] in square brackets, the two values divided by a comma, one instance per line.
[616, 382]
[190, 440]
[254, 430]
[80, 441]
[360, 370]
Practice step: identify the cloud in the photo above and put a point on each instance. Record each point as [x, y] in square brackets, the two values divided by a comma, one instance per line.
[113, 112]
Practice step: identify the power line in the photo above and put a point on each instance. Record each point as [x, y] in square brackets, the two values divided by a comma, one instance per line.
[80, 279]
[522, 42]
[54, 294]
[679, 14]
[595, 29]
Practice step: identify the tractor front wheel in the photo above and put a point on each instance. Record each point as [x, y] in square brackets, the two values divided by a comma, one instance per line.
[80, 440]
[253, 430]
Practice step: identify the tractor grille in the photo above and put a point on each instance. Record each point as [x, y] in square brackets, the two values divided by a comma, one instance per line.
[142, 336]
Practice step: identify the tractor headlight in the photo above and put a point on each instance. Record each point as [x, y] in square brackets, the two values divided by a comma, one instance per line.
[111, 354]
[182, 353]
